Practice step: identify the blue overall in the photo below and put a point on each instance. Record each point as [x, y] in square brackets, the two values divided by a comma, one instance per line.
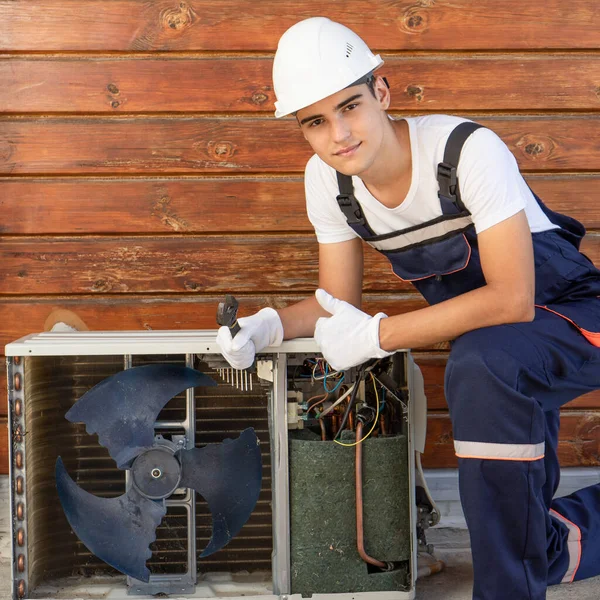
[504, 386]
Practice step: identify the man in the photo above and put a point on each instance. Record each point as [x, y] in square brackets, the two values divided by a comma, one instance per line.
[505, 283]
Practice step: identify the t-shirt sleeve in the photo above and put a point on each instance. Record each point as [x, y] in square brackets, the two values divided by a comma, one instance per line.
[321, 206]
[491, 186]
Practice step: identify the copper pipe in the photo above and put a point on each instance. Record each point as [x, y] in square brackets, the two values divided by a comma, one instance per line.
[323, 430]
[383, 425]
[360, 542]
[431, 569]
[334, 425]
[351, 421]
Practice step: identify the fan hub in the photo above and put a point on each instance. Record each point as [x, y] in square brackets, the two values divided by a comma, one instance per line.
[156, 473]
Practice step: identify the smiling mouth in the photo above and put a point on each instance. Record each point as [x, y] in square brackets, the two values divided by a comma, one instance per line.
[348, 151]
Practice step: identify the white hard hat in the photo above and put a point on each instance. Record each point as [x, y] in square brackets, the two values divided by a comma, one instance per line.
[316, 58]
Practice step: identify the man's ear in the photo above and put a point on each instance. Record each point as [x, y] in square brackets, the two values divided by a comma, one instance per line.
[382, 92]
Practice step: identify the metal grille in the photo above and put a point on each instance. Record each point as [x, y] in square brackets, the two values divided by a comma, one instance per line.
[53, 385]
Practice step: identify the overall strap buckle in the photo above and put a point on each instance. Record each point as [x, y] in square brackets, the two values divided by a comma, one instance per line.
[446, 173]
[448, 182]
[351, 209]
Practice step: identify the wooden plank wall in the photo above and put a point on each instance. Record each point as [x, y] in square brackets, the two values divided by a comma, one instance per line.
[142, 174]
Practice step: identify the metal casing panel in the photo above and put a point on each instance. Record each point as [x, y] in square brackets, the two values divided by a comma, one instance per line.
[97, 343]
[105, 344]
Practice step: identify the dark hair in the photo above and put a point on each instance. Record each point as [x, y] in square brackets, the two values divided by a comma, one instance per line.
[370, 83]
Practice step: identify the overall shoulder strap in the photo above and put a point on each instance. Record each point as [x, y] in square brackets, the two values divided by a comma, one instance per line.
[351, 208]
[446, 174]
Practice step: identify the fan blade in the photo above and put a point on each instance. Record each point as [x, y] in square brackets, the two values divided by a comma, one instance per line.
[117, 530]
[123, 408]
[229, 477]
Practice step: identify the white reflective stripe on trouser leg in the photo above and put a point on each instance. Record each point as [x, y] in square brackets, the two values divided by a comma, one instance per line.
[499, 451]
[573, 545]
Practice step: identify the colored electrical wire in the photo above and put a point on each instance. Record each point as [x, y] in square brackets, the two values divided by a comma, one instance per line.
[338, 401]
[374, 420]
[337, 385]
[359, 377]
[324, 367]
[322, 398]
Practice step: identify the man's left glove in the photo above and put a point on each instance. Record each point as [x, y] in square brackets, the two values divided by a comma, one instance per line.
[257, 331]
[349, 337]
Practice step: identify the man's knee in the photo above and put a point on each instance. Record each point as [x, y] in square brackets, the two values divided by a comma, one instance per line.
[491, 391]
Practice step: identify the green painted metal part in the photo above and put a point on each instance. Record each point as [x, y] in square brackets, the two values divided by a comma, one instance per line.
[324, 557]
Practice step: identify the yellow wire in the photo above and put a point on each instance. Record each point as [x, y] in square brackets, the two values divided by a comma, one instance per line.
[374, 421]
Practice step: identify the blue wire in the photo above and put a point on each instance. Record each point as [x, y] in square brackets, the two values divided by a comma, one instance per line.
[382, 403]
[337, 385]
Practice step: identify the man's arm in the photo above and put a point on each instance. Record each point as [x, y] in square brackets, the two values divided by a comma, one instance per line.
[340, 273]
[506, 254]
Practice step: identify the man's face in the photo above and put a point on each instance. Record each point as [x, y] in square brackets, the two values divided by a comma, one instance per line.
[346, 129]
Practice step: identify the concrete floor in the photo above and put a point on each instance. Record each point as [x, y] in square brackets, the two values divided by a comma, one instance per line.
[451, 545]
[455, 583]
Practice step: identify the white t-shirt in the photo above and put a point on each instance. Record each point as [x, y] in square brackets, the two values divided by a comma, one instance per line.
[491, 186]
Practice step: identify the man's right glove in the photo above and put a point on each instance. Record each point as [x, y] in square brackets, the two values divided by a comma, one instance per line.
[256, 333]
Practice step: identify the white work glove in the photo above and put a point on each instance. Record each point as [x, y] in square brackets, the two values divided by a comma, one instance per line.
[256, 332]
[349, 337]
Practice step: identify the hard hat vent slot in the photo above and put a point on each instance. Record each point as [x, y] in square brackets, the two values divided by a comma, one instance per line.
[349, 48]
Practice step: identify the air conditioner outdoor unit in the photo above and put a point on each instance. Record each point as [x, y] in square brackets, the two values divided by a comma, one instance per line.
[135, 481]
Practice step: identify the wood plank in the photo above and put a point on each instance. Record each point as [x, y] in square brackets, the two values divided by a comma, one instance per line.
[433, 367]
[21, 317]
[573, 195]
[99, 85]
[177, 264]
[131, 25]
[209, 204]
[193, 144]
[579, 441]
[205, 205]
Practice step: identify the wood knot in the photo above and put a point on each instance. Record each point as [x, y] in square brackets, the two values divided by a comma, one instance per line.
[536, 147]
[6, 149]
[416, 92]
[102, 285]
[192, 286]
[112, 100]
[178, 18]
[221, 150]
[259, 98]
[597, 91]
[168, 217]
[415, 20]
